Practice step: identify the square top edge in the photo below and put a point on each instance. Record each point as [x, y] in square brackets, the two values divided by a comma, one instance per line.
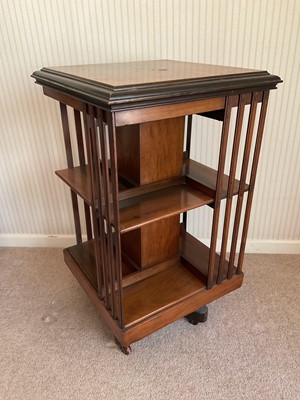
[136, 84]
[143, 73]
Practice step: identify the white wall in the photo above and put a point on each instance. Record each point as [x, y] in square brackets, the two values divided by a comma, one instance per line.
[36, 33]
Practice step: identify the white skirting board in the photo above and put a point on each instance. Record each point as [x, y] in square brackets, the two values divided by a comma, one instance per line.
[253, 246]
[19, 240]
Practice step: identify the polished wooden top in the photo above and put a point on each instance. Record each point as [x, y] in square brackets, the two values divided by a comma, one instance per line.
[129, 85]
[146, 72]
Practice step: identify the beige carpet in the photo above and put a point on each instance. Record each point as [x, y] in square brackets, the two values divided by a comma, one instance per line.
[53, 344]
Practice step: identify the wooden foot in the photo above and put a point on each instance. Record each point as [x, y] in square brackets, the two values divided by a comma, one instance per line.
[125, 350]
[198, 316]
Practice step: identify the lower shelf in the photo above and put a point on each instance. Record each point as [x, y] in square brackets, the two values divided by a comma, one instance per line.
[143, 298]
[152, 295]
[197, 254]
[151, 291]
[84, 256]
[153, 302]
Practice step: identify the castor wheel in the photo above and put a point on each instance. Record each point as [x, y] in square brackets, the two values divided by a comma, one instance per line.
[126, 350]
[198, 316]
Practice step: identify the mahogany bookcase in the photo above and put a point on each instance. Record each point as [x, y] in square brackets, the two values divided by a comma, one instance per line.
[138, 263]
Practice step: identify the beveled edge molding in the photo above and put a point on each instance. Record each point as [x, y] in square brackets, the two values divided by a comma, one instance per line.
[136, 96]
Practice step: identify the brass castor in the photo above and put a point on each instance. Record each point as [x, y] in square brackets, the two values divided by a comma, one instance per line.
[126, 350]
[198, 316]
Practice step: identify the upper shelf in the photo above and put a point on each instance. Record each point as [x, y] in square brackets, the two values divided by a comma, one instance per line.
[196, 175]
[79, 179]
[143, 208]
[131, 85]
[204, 178]
[150, 207]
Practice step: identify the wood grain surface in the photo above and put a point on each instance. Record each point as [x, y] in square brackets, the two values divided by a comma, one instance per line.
[145, 72]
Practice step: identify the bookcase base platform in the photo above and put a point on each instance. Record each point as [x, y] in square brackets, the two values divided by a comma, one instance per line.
[157, 319]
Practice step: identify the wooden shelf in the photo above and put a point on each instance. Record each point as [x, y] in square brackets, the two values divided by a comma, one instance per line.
[197, 175]
[84, 256]
[175, 302]
[197, 254]
[204, 178]
[159, 292]
[79, 180]
[170, 284]
[144, 209]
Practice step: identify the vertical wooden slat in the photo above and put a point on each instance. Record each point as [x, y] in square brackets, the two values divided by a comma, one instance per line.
[246, 155]
[99, 253]
[188, 135]
[81, 155]
[79, 137]
[107, 214]
[219, 183]
[187, 153]
[258, 142]
[70, 163]
[105, 274]
[234, 158]
[110, 117]
[66, 133]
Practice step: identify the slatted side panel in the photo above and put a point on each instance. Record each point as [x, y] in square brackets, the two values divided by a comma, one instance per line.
[239, 145]
[102, 159]
[34, 33]
[75, 149]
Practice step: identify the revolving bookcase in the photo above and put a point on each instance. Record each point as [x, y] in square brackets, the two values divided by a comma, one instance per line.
[133, 170]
